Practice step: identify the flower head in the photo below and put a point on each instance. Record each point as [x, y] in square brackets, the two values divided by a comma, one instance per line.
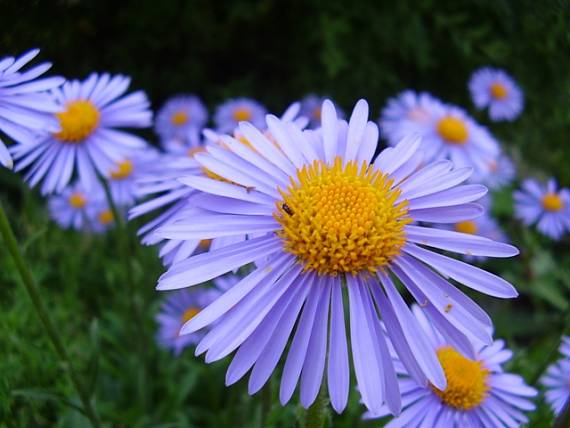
[180, 121]
[557, 379]
[407, 113]
[79, 209]
[232, 112]
[478, 392]
[25, 108]
[545, 205]
[87, 142]
[320, 218]
[501, 173]
[496, 90]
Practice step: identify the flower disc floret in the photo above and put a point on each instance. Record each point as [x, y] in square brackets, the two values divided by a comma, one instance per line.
[342, 218]
[78, 121]
[453, 130]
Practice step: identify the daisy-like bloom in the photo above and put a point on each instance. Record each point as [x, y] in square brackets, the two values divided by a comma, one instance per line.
[501, 173]
[496, 90]
[181, 306]
[322, 218]
[409, 112]
[79, 209]
[547, 206]
[557, 379]
[311, 109]
[180, 121]
[478, 393]
[124, 175]
[25, 108]
[232, 112]
[88, 140]
[454, 135]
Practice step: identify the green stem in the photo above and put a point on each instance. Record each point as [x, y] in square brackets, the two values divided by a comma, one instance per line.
[43, 314]
[563, 419]
[316, 414]
[122, 235]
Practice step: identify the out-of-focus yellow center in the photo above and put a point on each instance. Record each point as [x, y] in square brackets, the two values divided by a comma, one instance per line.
[453, 130]
[193, 150]
[241, 114]
[317, 113]
[77, 200]
[466, 380]
[179, 118]
[552, 202]
[77, 122]
[106, 217]
[340, 219]
[468, 226]
[123, 170]
[498, 91]
[205, 244]
[190, 313]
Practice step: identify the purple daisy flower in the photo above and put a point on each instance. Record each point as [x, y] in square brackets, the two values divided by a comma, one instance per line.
[408, 112]
[124, 175]
[325, 219]
[546, 206]
[180, 121]
[82, 210]
[478, 393]
[501, 173]
[25, 108]
[181, 306]
[232, 112]
[88, 141]
[494, 89]
[557, 379]
[311, 109]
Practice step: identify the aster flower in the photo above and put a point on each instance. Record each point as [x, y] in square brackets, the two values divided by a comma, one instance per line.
[180, 121]
[79, 209]
[494, 89]
[88, 140]
[478, 393]
[547, 206]
[409, 112]
[311, 109]
[25, 108]
[124, 175]
[323, 219]
[557, 379]
[233, 111]
[501, 173]
[177, 309]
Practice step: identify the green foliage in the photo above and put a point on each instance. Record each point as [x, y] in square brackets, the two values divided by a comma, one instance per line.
[276, 52]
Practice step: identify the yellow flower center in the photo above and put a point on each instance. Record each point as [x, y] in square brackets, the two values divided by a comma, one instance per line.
[77, 122]
[179, 118]
[77, 200]
[466, 380]
[552, 202]
[241, 114]
[453, 130]
[190, 313]
[106, 217]
[124, 170]
[498, 91]
[339, 219]
[468, 226]
[204, 244]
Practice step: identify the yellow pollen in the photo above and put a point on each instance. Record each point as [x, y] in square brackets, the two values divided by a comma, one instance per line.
[179, 118]
[468, 226]
[466, 380]
[124, 170]
[453, 130]
[552, 202]
[242, 113]
[339, 219]
[77, 122]
[106, 217]
[77, 200]
[190, 313]
[498, 91]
